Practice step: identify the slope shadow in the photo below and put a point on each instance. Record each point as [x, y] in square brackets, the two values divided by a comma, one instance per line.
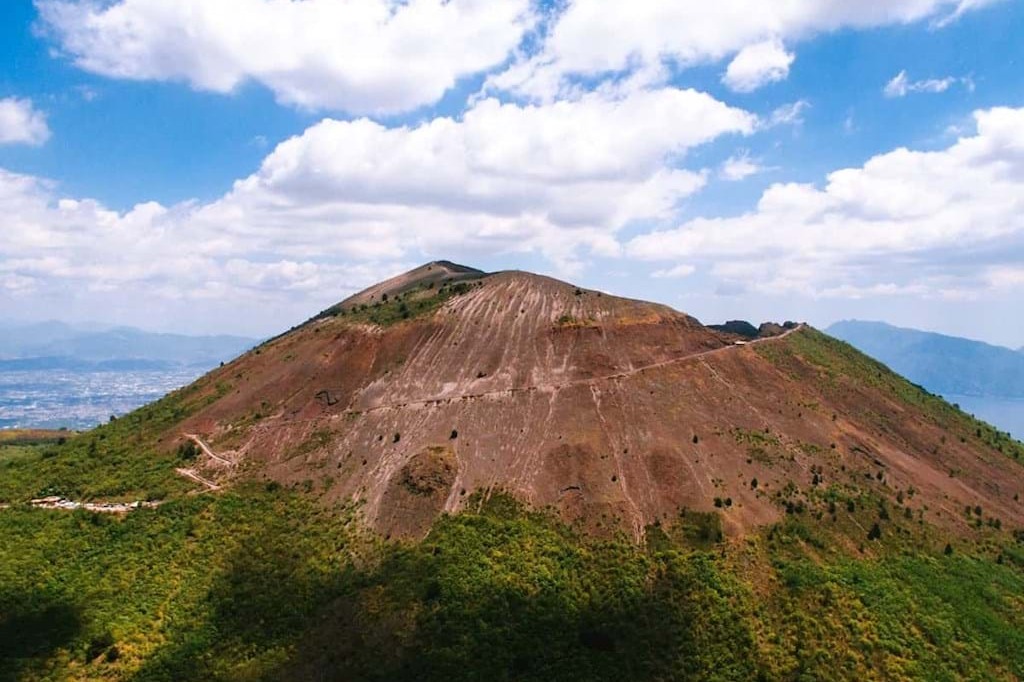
[32, 628]
[480, 599]
[673, 628]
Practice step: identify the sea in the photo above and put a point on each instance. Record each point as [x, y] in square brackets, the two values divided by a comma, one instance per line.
[76, 399]
[1006, 414]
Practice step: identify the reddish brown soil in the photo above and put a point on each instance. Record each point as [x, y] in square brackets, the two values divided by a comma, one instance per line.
[614, 413]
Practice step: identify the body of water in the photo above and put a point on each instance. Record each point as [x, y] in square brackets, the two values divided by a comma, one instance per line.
[1006, 414]
[81, 400]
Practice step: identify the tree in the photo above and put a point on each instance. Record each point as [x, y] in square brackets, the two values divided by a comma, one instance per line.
[949, 550]
[188, 450]
[875, 532]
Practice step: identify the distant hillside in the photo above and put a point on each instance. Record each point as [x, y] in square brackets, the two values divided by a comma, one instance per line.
[56, 345]
[943, 364]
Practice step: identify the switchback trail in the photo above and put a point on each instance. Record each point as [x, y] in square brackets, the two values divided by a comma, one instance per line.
[208, 451]
[192, 475]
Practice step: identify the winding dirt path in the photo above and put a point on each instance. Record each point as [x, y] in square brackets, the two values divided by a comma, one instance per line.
[577, 382]
[209, 451]
[192, 475]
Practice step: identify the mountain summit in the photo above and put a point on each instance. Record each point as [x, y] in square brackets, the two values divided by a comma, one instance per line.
[456, 475]
[419, 392]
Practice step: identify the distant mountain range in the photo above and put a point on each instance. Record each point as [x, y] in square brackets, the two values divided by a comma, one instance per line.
[57, 345]
[947, 365]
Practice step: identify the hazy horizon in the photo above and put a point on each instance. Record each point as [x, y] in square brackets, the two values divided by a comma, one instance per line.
[97, 325]
[808, 161]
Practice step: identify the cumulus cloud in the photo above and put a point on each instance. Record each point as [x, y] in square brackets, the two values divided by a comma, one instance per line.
[360, 56]
[358, 197]
[677, 272]
[592, 37]
[152, 261]
[739, 167]
[906, 221]
[758, 65]
[552, 179]
[22, 123]
[901, 85]
[789, 114]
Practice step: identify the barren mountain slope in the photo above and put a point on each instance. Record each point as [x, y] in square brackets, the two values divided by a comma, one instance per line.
[615, 413]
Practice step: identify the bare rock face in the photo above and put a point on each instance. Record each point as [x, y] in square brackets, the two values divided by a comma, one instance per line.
[770, 329]
[614, 413]
[418, 491]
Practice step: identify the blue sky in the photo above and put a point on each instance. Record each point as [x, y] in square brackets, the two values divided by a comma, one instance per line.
[238, 166]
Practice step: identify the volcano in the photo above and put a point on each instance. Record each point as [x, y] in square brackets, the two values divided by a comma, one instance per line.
[446, 384]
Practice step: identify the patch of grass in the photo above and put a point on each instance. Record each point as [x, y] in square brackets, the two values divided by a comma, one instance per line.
[756, 438]
[11, 454]
[570, 322]
[34, 436]
[320, 438]
[840, 366]
[417, 303]
[762, 447]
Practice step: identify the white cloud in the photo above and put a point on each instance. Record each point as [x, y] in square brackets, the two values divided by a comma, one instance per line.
[358, 197]
[594, 37]
[677, 272]
[962, 8]
[907, 220]
[901, 85]
[551, 179]
[758, 65]
[22, 123]
[361, 56]
[739, 167]
[789, 114]
[161, 261]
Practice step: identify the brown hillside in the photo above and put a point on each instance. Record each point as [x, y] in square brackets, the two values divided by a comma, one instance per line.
[615, 413]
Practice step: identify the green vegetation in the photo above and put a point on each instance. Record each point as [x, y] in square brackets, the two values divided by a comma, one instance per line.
[33, 436]
[842, 368]
[120, 461]
[567, 321]
[417, 303]
[762, 447]
[222, 579]
[264, 583]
